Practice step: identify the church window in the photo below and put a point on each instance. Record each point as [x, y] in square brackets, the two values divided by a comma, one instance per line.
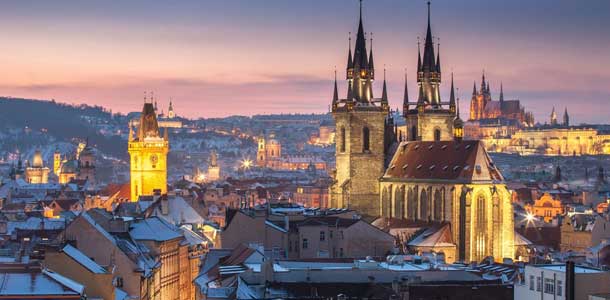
[365, 139]
[413, 133]
[342, 139]
[437, 135]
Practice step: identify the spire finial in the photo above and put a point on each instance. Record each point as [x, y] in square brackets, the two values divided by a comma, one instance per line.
[383, 72]
[144, 96]
[458, 103]
[428, 13]
[360, 9]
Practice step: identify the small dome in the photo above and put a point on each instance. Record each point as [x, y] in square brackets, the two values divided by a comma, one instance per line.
[37, 160]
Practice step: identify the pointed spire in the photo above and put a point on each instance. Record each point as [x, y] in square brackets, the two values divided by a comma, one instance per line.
[384, 93]
[428, 63]
[501, 92]
[371, 64]
[452, 96]
[350, 61]
[418, 56]
[474, 89]
[360, 59]
[438, 58]
[566, 117]
[405, 100]
[336, 92]
[483, 83]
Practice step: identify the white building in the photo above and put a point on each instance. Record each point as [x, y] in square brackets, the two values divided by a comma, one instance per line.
[549, 282]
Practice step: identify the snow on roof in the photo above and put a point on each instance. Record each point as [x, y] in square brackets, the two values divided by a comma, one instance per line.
[73, 285]
[82, 259]
[35, 284]
[154, 229]
[120, 294]
[180, 212]
[35, 223]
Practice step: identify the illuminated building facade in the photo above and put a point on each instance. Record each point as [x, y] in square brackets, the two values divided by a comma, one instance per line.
[269, 155]
[364, 133]
[213, 167]
[80, 166]
[546, 207]
[36, 172]
[450, 185]
[148, 156]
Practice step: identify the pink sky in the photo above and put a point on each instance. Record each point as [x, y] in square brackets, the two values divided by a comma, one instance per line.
[248, 60]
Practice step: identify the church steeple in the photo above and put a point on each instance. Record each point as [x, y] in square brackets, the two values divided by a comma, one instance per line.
[384, 93]
[371, 63]
[405, 100]
[438, 59]
[566, 118]
[335, 93]
[429, 75]
[452, 96]
[350, 61]
[429, 64]
[474, 89]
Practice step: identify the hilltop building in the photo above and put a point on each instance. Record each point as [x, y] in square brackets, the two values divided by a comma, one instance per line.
[364, 132]
[148, 156]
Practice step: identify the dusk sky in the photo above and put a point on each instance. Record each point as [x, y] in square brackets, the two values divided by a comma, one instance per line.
[219, 58]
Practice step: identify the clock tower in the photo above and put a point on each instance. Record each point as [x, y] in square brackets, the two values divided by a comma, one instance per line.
[148, 156]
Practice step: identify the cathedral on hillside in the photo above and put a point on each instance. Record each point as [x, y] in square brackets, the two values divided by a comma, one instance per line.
[148, 155]
[432, 182]
[483, 107]
[365, 132]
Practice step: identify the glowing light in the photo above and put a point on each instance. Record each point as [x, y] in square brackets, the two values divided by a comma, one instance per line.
[246, 163]
[201, 177]
[529, 217]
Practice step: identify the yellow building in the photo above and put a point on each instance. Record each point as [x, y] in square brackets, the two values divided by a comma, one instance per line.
[552, 140]
[148, 156]
[546, 207]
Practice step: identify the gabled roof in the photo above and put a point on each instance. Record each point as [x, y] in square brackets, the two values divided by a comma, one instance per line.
[434, 237]
[154, 229]
[459, 161]
[38, 284]
[82, 259]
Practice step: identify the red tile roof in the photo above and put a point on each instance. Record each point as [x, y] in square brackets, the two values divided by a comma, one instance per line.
[444, 160]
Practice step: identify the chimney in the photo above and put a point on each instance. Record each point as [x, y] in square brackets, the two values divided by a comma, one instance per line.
[570, 281]
[164, 205]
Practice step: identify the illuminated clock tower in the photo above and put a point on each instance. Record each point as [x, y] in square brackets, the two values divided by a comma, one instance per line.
[148, 156]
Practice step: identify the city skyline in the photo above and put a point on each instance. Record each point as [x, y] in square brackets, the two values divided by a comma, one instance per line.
[196, 53]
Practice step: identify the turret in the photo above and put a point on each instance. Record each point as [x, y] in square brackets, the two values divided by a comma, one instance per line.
[384, 93]
[429, 75]
[405, 100]
[452, 96]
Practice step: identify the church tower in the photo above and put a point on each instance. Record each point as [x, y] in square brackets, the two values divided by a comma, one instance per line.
[213, 167]
[148, 155]
[364, 135]
[261, 153]
[566, 118]
[430, 119]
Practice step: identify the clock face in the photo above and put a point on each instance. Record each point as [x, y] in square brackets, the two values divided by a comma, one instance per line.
[154, 159]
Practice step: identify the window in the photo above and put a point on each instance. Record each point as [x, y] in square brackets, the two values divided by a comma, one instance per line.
[437, 135]
[365, 139]
[340, 252]
[559, 288]
[531, 282]
[538, 283]
[342, 236]
[331, 234]
[342, 139]
[549, 286]
[413, 133]
[305, 243]
[322, 236]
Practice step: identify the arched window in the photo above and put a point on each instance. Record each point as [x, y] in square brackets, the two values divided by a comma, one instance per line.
[365, 139]
[413, 133]
[437, 135]
[342, 146]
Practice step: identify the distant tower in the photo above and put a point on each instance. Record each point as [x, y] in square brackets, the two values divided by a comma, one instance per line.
[363, 134]
[148, 156]
[86, 164]
[431, 120]
[553, 117]
[213, 168]
[170, 111]
[56, 162]
[261, 153]
[566, 118]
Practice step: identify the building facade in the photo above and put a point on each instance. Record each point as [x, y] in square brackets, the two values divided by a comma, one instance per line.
[148, 156]
[364, 133]
[36, 172]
